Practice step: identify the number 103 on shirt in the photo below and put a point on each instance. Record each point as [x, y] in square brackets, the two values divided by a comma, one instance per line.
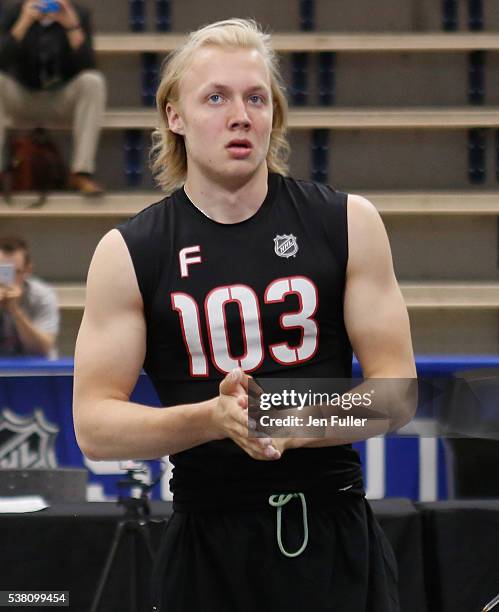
[250, 316]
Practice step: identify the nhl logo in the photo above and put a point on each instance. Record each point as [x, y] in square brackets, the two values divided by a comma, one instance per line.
[27, 441]
[285, 245]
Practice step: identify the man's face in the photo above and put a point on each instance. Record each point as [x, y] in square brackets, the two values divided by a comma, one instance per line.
[18, 260]
[224, 114]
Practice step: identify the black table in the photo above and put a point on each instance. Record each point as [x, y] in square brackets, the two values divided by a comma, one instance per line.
[461, 552]
[64, 548]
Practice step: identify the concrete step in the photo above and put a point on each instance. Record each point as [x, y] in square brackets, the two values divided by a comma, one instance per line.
[449, 296]
[290, 42]
[335, 118]
[124, 204]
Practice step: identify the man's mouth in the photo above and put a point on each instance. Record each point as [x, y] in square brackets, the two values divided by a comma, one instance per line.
[239, 145]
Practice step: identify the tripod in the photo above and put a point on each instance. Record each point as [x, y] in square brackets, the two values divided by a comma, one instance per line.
[136, 523]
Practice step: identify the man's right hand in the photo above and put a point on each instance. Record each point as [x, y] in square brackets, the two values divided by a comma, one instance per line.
[230, 418]
[30, 13]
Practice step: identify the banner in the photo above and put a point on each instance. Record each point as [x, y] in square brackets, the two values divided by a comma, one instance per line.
[36, 430]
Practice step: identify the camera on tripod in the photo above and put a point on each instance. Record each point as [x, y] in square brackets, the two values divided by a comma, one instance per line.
[136, 503]
[133, 526]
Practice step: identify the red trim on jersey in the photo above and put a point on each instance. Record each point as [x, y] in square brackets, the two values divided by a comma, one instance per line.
[284, 327]
[243, 328]
[260, 329]
[182, 329]
[230, 299]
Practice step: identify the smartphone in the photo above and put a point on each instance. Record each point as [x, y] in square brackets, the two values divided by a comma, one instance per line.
[7, 274]
[49, 6]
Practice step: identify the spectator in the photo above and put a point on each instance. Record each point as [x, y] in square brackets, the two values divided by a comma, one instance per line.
[48, 74]
[29, 315]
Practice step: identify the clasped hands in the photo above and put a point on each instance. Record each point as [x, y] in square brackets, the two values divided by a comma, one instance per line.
[232, 420]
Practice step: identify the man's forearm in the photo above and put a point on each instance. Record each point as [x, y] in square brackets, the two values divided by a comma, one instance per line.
[113, 429]
[333, 435]
[34, 340]
[394, 403]
[391, 403]
[20, 28]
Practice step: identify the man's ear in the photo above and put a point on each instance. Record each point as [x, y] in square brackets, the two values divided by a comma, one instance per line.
[175, 121]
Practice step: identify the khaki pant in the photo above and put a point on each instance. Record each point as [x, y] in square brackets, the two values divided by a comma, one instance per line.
[83, 99]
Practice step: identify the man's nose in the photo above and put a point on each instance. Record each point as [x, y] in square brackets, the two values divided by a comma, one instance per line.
[239, 116]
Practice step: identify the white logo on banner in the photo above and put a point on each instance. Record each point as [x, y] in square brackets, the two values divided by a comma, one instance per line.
[27, 441]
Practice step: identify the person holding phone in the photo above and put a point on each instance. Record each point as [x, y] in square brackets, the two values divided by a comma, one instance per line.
[29, 314]
[47, 74]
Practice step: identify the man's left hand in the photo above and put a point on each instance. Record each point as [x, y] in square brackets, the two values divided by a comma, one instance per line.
[66, 15]
[10, 297]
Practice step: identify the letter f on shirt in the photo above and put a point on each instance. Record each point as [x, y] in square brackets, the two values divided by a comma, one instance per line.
[185, 260]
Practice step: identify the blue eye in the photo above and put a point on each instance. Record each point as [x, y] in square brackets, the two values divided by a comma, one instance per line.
[256, 99]
[217, 100]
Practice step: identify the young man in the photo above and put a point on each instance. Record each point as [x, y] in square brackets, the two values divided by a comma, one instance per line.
[48, 74]
[200, 288]
[29, 315]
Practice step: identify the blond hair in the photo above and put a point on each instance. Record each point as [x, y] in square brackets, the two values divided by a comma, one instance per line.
[168, 154]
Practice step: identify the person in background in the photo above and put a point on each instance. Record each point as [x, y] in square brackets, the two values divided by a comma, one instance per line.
[29, 314]
[47, 75]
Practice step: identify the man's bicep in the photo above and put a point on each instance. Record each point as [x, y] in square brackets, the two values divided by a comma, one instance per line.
[378, 328]
[111, 342]
[375, 313]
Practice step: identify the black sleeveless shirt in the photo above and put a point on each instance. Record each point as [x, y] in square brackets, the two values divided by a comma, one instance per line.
[266, 295]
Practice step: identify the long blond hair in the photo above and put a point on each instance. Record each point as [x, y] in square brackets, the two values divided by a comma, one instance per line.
[168, 155]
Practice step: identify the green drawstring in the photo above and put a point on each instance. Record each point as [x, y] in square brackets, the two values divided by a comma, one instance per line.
[282, 501]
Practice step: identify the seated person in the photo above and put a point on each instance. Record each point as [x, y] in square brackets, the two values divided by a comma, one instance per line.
[29, 314]
[48, 75]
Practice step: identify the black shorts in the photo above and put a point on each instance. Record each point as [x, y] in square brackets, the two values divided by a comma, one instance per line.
[230, 561]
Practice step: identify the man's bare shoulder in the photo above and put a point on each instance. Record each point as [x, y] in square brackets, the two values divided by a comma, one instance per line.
[110, 249]
[111, 276]
[368, 241]
[361, 209]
